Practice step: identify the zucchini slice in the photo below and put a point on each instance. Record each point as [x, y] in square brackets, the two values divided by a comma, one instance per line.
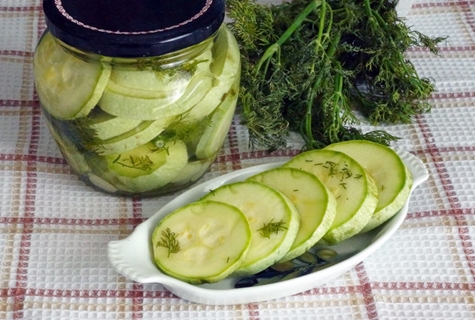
[216, 132]
[274, 221]
[314, 202]
[128, 103]
[141, 134]
[225, 62]
[149, 94]
[144, 168]
[215, 97]
[202, 242]
[67, 87]
[392, 177]
[354, 189]
[106, 126]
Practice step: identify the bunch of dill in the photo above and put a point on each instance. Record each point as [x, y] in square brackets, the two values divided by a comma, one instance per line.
[308, 65]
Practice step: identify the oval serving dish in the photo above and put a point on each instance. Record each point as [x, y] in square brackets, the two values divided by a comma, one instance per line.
[132, 256]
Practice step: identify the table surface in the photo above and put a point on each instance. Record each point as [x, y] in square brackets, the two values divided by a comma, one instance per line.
[54, 230]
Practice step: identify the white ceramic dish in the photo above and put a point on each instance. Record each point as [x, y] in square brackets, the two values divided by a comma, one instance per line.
[132, 256]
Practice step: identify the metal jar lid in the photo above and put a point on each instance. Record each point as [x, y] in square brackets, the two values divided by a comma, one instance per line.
[133, 28]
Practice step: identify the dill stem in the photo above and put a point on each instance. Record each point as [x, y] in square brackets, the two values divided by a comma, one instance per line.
[337, 99]
[271, 50]
[369, 11]
[298, 21]
[322, 23]
[307, 121]
[311, 143]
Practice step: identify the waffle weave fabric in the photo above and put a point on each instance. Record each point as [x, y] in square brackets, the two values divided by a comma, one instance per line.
[54, 230]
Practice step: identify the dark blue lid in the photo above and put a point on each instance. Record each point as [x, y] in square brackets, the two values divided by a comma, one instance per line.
[133, 28]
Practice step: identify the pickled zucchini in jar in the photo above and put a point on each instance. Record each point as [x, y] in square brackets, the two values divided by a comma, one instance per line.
[138, 125]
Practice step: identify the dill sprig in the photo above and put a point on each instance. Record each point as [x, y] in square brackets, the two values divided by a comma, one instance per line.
[143, 163]
[79, 132]
[308, 65]
[272, 228]
[169, 241]
[342, 170]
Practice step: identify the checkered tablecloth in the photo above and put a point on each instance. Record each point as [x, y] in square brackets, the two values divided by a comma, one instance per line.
[54, 230]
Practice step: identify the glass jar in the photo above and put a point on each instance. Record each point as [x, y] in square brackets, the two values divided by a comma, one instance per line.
[139, 95]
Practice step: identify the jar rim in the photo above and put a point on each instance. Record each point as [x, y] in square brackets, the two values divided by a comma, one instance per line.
[125, 28]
